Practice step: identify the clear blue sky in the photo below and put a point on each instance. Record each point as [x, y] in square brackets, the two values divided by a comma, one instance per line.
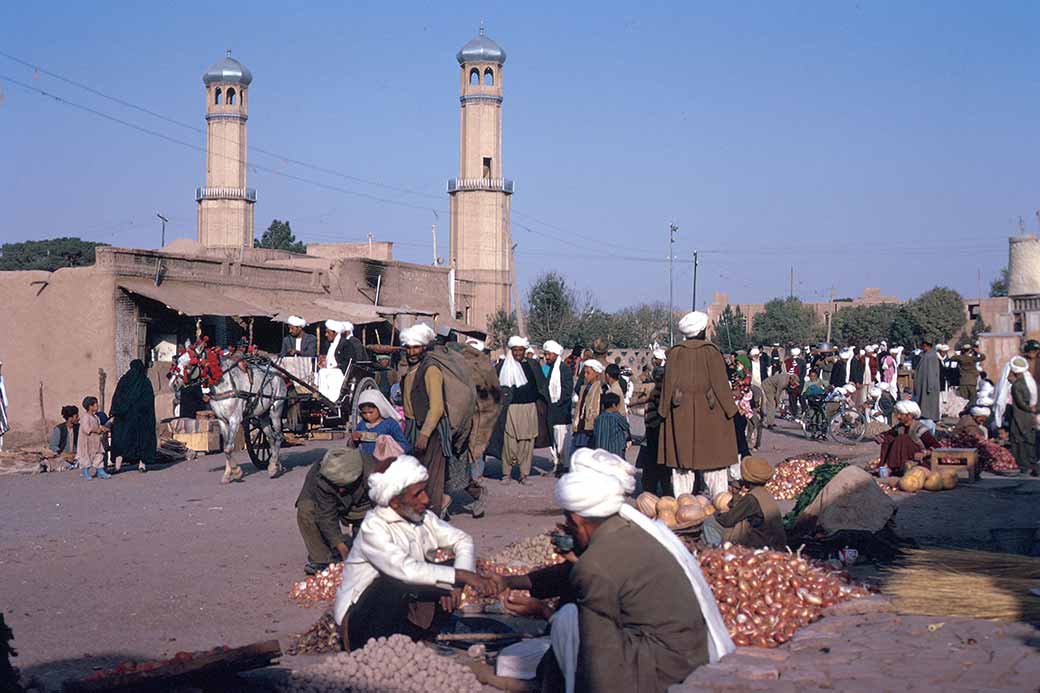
[886, 144]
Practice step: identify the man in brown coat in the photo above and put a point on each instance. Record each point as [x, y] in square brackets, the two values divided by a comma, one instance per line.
[698, 409]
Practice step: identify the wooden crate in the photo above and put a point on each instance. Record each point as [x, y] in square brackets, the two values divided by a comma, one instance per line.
[204, 442]
[963, 458]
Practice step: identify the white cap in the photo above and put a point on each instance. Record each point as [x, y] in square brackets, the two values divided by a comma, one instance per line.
[553, 347]
[594, 364]
[796, 352]
[910, 407]
[693, 323]
[296, 321]
[754, 351]
[980, 411]
[518, 341]
[1019, 364]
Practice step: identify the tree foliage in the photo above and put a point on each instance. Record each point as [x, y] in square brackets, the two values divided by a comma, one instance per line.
[999, 286]
[786, 321]
[863, 324]
[48, 255]
[938, 313]
[279, 236]
[501, 326]
[903, 330]
[550, 308]
[730, 332]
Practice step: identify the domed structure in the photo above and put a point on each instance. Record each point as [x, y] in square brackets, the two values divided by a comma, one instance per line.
[228, 70]
[481, 50]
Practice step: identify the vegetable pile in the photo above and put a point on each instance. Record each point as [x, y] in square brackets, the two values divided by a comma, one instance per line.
[916, 478]
[791, 476]
[318, 589]
[765, 596]
[130, 666]
[683, 512]
[395, 664]
[992, 456]
[321, 638]
[820, 476]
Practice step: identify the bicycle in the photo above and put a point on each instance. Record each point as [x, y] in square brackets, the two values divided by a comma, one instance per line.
[848, 425]
[814, 418]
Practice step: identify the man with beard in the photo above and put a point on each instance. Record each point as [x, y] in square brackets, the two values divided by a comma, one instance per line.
[561, 383]
[423, 392]
[389, 586]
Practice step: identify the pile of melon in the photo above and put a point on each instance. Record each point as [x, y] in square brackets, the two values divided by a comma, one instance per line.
[685, 511]
[916, 478]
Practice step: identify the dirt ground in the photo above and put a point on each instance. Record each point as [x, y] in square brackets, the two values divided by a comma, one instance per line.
[146, 565]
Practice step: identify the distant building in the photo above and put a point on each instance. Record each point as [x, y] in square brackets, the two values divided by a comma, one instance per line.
[870, 297]
[481, 245]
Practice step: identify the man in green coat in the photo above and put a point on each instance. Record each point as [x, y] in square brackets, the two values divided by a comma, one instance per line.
[1022, 429]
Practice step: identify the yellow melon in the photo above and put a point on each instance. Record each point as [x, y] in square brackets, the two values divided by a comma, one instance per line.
[646, 503]
[689, 515]
[666, 516]
[933, 482]
[911, 483]
[685, 499]
[722, 501]
[949, 479]
[667, 504]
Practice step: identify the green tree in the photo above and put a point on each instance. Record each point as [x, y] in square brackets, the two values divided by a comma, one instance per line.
[637, 327]
[279, 236]
[903, 331]
[501, 326]
[863, 324]
[729, 332]
[48, 255]
[938, 313]
[978, 326]
[550, 308]
[999, 286]
[786, 321]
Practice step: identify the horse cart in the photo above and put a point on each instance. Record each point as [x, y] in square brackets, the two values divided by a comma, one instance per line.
[325, 410]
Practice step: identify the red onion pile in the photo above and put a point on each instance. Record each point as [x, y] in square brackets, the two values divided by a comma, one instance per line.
[791, 476]
[320, 589]
[765, 596]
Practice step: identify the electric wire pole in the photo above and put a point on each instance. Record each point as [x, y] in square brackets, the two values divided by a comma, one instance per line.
[694, 307]
[672, 228]
[164, 220]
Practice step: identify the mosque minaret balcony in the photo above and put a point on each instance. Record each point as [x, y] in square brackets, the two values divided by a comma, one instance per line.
[489, 184]
[248, 194]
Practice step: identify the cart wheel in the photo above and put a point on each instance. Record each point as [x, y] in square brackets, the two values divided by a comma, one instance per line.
[257, 444]
[359, 387]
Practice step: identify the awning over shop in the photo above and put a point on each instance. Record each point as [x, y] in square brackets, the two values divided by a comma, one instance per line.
[192, 299]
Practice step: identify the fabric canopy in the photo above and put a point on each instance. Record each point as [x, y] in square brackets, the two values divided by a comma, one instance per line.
[192, 299]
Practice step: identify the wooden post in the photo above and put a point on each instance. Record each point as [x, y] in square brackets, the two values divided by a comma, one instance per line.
[102, 378]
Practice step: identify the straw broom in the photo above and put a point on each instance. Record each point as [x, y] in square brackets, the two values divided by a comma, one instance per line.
[975, 584]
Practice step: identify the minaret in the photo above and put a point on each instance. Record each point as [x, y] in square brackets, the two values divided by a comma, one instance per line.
[480, 239]
[226, 204]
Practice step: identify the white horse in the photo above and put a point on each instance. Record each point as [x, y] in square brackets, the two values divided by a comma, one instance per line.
[252, 392]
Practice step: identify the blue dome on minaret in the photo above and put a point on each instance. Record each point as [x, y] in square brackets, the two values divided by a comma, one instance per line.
[481, 50]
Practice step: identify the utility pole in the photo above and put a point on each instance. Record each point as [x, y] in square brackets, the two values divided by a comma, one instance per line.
[694, 307]
[370, 245]
[164, 220]
[433, 230]
[672, 228]
[791, 292]
[830, 316]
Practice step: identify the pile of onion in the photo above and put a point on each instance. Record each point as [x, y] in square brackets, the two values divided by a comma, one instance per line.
[765, 596]
[318, 590]
[791, 476]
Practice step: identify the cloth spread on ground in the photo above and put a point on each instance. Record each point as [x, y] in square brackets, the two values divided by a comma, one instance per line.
[850, 501]
[822, 476]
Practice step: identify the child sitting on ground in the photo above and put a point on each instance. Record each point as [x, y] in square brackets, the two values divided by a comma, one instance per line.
[90, 448]
[611, 431]
[378, 417]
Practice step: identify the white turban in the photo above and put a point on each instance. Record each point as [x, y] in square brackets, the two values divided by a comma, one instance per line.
[297, 321]
[896, 351]
[402, 473]
[594, 364]
[348, 327]
[985, 390]
[980, 411]
[875, 391]
[590, 494]
[419, 334]
[850, 388]
[942, 347]
[846, 354]
[336, 326]
[1019, 364]
[984, 401]
[376, 398]
[754, 351]
[796, 352]
[871, 349]
[476, 343]
[517, 341]
[693, 323]
[660, 354]
[553, 347]
[908, 407]
[603, 462]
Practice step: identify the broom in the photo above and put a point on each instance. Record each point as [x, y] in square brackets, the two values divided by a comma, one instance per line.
[974, 584]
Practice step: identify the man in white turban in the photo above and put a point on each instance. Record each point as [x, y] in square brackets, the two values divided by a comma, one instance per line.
[425, 413]
[1022, 426]
[561, 385]
[643, 615]
[698, 436]
[298, 342]
[927, 384]
[588, 405]
[523, 386]
[330, 371]
[908, 441]
[389, 586]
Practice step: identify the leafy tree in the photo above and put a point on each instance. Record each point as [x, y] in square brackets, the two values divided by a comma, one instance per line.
[999, 286]
[729, 332]
[279, 236]
[863, 324]
[550, 308]
[640, 326]
[501, 326]
[786, 321]
[903, 330]
[978, 326]
[938, 313]
[47, 255]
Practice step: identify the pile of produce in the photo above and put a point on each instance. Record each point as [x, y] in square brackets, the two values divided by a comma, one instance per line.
[130, 666]
[765, 596]
[916, 478]
[395, 664]
[993, 457]
[321, 638]
[791, 476]
[318, 589]
[685, 511]
[531, 551]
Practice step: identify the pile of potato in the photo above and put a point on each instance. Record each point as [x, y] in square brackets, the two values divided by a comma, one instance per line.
[530, 551]
[916, 478]
[685, 511]
[387, 665]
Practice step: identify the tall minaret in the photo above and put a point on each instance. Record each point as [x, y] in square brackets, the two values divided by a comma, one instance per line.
[480, 239]
[226, 204]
